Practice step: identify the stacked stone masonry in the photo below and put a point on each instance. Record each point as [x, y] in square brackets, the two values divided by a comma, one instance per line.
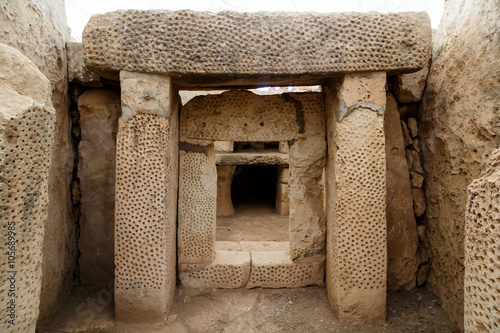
[206, 47]
[482, 252]
[26, 137]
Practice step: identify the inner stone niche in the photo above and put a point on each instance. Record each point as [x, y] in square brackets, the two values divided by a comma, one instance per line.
[250, 166]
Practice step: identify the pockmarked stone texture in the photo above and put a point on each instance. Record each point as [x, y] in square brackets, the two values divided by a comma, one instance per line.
[145, 217]
[77, 71]
[201, 47]
[459, 128]
[250, 158]
[197, 202]
[402, 238]
[482, 253]
[26, 137]
[99, 112]
[38, 29]
[356, 264]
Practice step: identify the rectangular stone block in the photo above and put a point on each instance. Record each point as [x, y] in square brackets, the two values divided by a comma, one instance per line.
[229, 270]
[275, 269]
[283, 174]
[356, 270]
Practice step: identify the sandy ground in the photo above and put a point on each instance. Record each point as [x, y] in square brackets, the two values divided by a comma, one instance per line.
[255, 310]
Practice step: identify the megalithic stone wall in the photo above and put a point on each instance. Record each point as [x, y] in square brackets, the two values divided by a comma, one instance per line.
[26, 138]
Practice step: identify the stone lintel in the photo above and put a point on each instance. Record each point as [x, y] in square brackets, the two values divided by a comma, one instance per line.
[271, 158]
[237, 49]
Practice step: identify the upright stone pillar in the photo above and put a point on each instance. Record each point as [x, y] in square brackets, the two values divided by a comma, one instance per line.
[356, 272]
[146, 198]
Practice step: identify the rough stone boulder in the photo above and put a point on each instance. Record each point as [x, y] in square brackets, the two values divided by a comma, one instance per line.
[26, 138]
[459, 127]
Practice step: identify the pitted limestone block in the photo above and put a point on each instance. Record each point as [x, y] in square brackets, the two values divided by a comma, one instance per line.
[145, 217]
[264, 158]
[402, 238]
[224, 180]
[482, 252]
[356, 271]
[202, 47]
[77, 71]
[99, 112]
[275, 269]
[227, 246]
[408, 88]
[146, 93]
[230, 269]
[26, 137]
[197, 202]
[244, 116]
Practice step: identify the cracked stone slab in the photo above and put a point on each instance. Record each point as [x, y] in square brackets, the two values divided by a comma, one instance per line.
[231, 48]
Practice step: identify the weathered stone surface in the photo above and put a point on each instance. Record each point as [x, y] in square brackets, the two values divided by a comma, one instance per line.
[264, 158]
[356, 202]
[26, 138]
[416, 165]
[459, 128]
[99, 112]
[283, 174]
[224, 146]
[413, 127]
[202, 47]
[417, 180]
[282, 204]
[406, 134]
[145, 215]
[77, 71]
[408, 88]
[482, 253]
[39, 31]
[419, 205]
[402, 239]
[230, 269]
[224, 179]
[423, 273]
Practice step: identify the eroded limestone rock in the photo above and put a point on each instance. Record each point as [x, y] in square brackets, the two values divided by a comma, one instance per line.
[77, 71]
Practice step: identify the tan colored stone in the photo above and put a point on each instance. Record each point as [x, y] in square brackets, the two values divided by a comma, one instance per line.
[110, 46]
[197, 203]
[415, 145]
[26, 138]
[421, 232]
[356, 157]
[482, 254]
[283, 147]
[416, 165]
[413, 126]
[408, 110]
[417, 180]
[409, 158]
[40, 32]
[406, 134]
[145, 214]
[224, 146]
[419, 205]
[282, 202]
[282, 208]
[230, 269]
[423, 273]
[275, 269]
[283, 174]
[99, 112]
[408, 88]
[458, 130]
[402, 239]
[145, 93]
[227, 246]
[263, 158]
[77, 72]
[265, 246]
[224, 180]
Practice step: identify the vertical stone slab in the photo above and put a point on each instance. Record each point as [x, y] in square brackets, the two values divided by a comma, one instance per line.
[99, 113]
[356, 272]
[26, 138]
[307, 160]
[197, 202]
[482, 251]
[224, 181]
[146, 198]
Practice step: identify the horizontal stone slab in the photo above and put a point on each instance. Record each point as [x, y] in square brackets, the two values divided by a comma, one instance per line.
[231, 49]
[262, 158]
